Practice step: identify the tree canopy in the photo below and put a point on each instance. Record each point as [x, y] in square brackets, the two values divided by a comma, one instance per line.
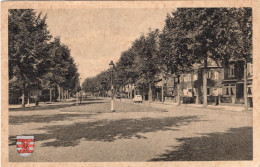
[191, 36]
[36, 60]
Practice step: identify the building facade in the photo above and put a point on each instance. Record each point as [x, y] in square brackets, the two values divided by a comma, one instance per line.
[224, 85]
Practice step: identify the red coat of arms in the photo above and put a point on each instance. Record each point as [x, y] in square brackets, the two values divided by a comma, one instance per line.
[25, 145]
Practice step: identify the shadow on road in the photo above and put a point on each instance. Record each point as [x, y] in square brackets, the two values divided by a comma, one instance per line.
[107, 130]
[54, 106]
[15, 120]
[118, 106]
[236, 144]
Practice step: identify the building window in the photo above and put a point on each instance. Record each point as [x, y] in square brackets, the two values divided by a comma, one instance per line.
[216, 75]
[208, 91]
[249, 91]
[232, 90]
[226, 91]
[208, 74]
[229, 90]
[231, 71]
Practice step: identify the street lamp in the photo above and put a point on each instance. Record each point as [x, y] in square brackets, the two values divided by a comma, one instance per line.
[111, 65]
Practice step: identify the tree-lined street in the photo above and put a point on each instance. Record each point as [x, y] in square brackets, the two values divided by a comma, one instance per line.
[201, 56]
[136, 132]
[191, 38]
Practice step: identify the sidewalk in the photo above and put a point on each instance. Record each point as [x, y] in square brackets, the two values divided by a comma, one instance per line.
[41, 104]
[212, 107]
[238, 108]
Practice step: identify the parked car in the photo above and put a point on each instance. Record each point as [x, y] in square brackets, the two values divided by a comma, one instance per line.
[138, 98]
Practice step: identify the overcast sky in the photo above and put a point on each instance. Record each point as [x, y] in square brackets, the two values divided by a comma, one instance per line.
[97, 36]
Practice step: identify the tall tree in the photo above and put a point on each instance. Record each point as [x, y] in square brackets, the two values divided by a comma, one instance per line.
[175, 53]
[146, 47]
[236, 43]
[27, 48]
[200, 34]
[125, 72]
[63, 71]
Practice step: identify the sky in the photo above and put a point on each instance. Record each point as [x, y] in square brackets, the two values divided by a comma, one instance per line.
[97, 36]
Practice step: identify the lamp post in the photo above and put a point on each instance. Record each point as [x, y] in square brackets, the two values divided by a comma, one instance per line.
[111, 65]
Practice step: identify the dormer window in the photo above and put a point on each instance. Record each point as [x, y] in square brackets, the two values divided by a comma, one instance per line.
[231, 71]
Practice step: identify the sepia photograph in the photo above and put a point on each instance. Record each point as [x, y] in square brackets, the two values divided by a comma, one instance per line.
[130, 84]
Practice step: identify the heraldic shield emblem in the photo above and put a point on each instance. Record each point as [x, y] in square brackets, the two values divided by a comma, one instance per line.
[25, 145]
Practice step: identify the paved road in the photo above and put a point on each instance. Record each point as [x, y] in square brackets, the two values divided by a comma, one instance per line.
[135, 132]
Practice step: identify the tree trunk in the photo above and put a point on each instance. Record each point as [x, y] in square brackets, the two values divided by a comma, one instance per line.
[23, 97]
[197, 96]
[59, 90]
[150, 93]
[166, 88]
[178, 92]
[192, 85]
[54, 94]
[162, 90]
[62, 93]
[131, 92]
[50, 95]
[245, 86]
[77, 96]
[205, 101]
[28, 98]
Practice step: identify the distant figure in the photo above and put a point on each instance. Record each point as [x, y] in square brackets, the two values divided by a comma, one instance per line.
[36, 99]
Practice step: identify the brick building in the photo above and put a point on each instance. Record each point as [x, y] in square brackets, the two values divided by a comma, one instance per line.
[191, 84]
[233, 83]
[224, 84]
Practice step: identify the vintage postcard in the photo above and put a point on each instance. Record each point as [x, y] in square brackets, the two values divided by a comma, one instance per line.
[130, 83]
